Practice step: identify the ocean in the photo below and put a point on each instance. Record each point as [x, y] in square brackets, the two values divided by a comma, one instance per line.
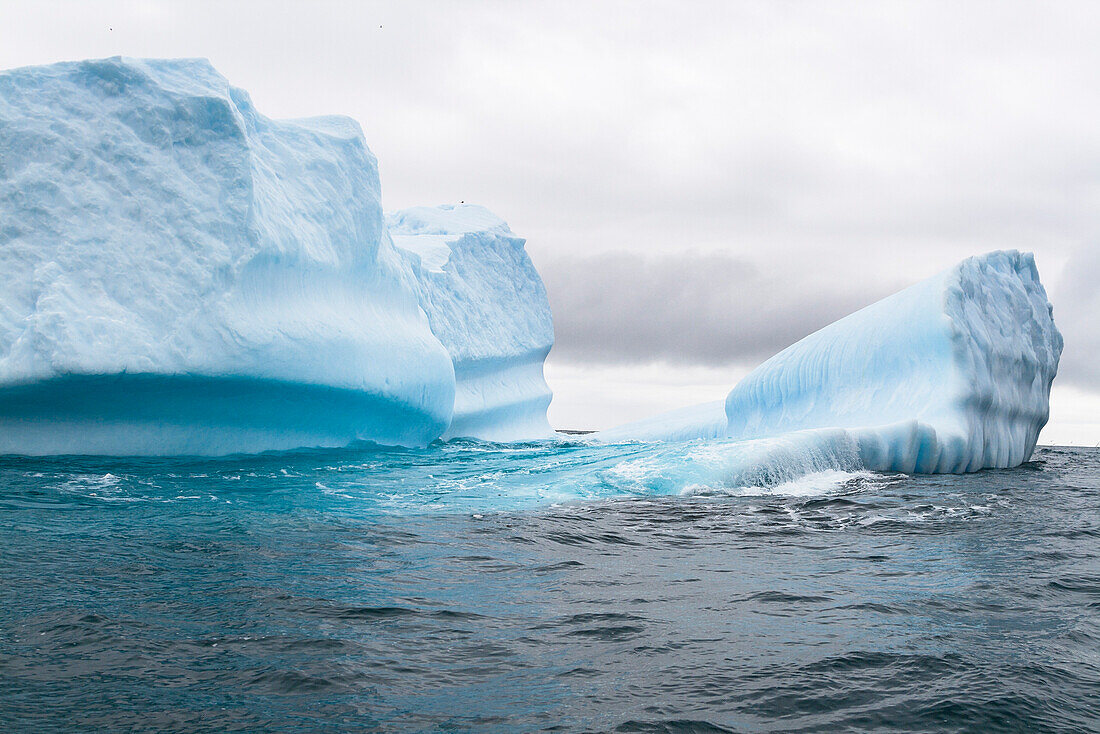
[547, 587]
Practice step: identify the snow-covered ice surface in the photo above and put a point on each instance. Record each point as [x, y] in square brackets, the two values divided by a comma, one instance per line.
[487, 305]
[185, 275]
[950, 375]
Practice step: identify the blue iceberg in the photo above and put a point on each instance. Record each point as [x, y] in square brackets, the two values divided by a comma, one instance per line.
[487, 305]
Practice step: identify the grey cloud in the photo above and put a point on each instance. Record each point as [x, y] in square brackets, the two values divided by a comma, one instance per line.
[690, 307]
[1077, 314]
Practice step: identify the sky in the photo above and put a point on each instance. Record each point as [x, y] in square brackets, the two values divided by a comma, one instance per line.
[700, 183]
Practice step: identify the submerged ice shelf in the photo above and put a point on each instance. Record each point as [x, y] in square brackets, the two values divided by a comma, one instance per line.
[187, 276]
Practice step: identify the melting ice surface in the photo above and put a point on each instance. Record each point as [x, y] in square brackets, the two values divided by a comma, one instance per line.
[466, 476]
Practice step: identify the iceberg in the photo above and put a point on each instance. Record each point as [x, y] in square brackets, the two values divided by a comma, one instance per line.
[487, 305]
[186, 276]
[952, 374]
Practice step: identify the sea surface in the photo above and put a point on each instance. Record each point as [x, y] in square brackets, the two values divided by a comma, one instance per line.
[547, 587]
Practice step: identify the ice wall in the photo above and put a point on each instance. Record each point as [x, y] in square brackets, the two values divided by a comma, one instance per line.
[487, 305]
[185, 275]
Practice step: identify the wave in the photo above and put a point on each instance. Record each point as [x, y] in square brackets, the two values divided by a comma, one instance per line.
[802, 462]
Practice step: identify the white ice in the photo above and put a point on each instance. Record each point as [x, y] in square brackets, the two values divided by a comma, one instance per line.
[185, 275]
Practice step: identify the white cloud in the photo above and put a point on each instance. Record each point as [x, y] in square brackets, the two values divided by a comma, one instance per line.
[593, 397]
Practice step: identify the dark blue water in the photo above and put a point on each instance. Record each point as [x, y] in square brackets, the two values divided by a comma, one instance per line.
[468, 587]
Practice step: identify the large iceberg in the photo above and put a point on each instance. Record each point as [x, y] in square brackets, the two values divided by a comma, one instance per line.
[950, 375]
[185, 275]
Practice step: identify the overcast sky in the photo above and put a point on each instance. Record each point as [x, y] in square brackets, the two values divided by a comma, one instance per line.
[700, 184]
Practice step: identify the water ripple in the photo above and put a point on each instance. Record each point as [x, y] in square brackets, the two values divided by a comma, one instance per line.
[475, 588]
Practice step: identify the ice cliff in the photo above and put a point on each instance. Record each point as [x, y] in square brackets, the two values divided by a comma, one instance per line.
[950, 375]
[185, 275]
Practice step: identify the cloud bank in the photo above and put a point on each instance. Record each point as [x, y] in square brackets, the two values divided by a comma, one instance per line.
[709, 309]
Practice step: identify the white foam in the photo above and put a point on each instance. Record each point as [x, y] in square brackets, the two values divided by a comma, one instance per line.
[814, 484]
[735, 467]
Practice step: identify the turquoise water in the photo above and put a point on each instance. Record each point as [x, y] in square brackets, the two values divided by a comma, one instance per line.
[558, 586]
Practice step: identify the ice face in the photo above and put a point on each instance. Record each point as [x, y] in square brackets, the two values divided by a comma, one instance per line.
[487, 305]
[950, 375]
[185, 275]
